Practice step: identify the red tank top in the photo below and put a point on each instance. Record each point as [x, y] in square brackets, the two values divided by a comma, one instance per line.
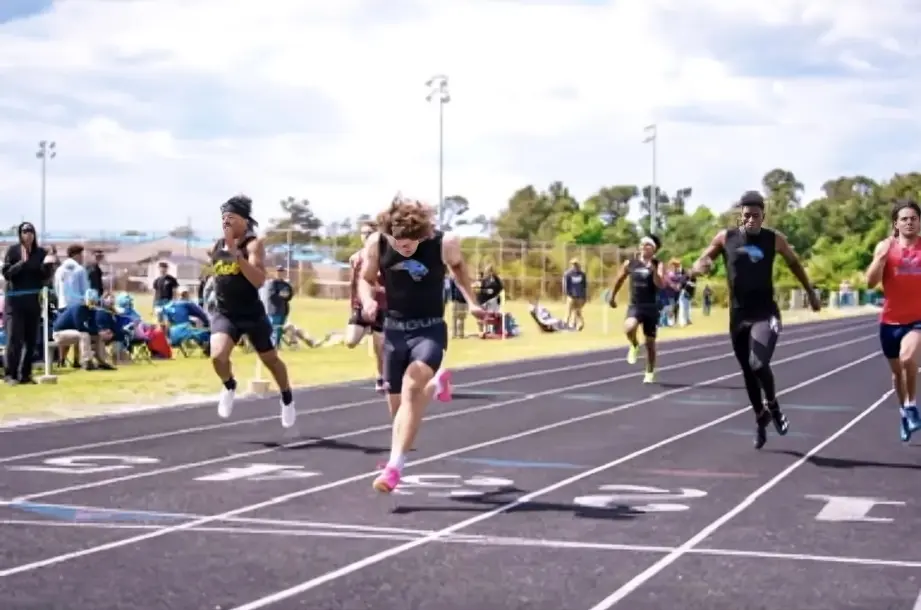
[902, 285]
[378, 288]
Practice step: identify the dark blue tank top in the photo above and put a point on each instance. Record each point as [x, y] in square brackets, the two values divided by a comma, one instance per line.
[234, 294]
[414, 285]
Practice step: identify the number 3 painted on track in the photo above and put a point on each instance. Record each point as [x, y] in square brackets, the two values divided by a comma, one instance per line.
[640, 498]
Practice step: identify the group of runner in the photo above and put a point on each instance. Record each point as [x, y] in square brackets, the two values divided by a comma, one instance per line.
[398, 298]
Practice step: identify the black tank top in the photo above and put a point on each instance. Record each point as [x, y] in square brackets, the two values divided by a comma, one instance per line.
[750, 270]
[414, 285]
[643, 290]
[234, 294]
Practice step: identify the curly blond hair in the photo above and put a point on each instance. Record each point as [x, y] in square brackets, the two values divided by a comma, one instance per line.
[406, 219]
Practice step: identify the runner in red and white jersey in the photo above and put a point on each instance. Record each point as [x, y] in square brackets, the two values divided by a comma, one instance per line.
[897, 265]
[358, 326]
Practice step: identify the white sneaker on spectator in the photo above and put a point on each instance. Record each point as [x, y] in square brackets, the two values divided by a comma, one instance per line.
[288, 414]
[225, 403]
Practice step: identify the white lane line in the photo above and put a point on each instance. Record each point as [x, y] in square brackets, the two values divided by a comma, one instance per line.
[358, 533]
[449, 414]
[640, 579]
[377, 400]
[403, 548]
[797, 327]
[375, 558]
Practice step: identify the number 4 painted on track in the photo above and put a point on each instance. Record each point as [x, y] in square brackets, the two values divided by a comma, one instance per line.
[259, 472]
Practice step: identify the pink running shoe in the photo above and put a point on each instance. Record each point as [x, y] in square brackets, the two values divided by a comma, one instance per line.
[444, 387]
[387, 481]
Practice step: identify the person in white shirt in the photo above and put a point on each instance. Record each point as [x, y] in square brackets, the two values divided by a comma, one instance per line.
[70, 279]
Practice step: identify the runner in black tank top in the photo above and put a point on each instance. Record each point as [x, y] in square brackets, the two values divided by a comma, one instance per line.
[647, 276]
[754, 318]
[410, 257]
[238, 262]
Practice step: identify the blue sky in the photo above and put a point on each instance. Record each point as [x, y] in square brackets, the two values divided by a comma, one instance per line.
[163, 108]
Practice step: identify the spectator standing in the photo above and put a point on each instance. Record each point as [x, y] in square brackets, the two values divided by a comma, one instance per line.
[575, 287]
[707, 300]
[94, 272]
[25, 270]
[164, 287]
[279, 293]
[71, 280]
[459, 310]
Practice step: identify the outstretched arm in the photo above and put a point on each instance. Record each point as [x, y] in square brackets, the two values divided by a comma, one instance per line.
[703, 264]
[452, 257]
[876, 268]
[621, 278]
[370, 268]
[793, 262]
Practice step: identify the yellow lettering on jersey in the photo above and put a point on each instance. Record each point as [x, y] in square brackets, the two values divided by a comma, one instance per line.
[226, 268]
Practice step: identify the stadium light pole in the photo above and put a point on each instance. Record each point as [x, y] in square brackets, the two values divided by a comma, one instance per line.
[438, 91]
[45, 153]
[650, 132]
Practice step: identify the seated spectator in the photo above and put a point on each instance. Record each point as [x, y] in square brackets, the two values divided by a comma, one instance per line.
[139, 333]
[107, 320]
[76, 325]
[186, 322]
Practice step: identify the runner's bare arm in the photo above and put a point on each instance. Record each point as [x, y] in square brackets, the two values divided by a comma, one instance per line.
[452, 257]
[658, 276]
[252, 266]
[370, 268]
[354, 270]
[621, 278]
[786, 251]
[703, 264]
[878, 265]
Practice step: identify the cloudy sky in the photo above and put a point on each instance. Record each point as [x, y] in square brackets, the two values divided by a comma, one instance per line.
[161, 109]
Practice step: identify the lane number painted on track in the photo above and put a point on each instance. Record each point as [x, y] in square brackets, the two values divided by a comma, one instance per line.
[87, 464]
[452, 485]
[639, 498]
[259, 472]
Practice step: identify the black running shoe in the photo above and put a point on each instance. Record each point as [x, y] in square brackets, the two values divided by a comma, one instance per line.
[762, 420]
[778, 417]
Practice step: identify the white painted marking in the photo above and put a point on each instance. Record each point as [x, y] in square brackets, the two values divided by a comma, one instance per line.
[384, 555]
[450, 485]
[917, 605]
[376, 401]
[456, 413]
[644, 576]
[366, 532]
[259, 472]
[440, 456]
[840, 509]
[86, 464]
[639, 498]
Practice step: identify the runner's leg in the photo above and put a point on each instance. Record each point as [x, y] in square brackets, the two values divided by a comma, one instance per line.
[224, 336]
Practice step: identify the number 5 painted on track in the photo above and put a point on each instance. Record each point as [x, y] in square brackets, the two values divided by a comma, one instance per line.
[87, 464]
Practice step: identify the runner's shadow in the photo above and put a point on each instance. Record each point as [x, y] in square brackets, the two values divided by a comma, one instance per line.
[719, 386]
[844, 463]
[499, 497]
[317, 442]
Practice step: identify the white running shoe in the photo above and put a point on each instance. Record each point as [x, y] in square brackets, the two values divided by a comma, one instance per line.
[288, 415]
[225, 403]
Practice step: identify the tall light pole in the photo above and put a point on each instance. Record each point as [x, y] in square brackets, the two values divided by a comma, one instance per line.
[650, 132]
[46, 152]
[438, 92]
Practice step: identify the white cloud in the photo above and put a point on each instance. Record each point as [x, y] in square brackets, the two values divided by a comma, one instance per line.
[163, 108]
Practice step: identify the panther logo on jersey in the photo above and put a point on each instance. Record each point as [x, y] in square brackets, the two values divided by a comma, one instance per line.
[754, 253]
[414, 268]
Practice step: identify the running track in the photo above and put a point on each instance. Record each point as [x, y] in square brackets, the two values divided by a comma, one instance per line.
[546, 485]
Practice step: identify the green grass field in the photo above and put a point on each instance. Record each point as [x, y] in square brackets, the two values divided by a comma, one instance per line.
[183, 379]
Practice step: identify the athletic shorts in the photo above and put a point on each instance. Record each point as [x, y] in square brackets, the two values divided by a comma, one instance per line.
[357, 319]
[647, 316]
[257, 329]
[891, 335]
[405, 343]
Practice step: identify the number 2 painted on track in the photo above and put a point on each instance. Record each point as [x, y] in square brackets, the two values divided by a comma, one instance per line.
[87, 464]
[639, 498]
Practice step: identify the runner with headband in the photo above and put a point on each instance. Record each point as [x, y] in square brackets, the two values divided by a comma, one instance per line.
[647, 277]
[238, 262]
[754, 317]
[897, 265]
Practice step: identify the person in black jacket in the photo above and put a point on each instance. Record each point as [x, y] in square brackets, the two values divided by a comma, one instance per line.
[94, 272]
[26, 273]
